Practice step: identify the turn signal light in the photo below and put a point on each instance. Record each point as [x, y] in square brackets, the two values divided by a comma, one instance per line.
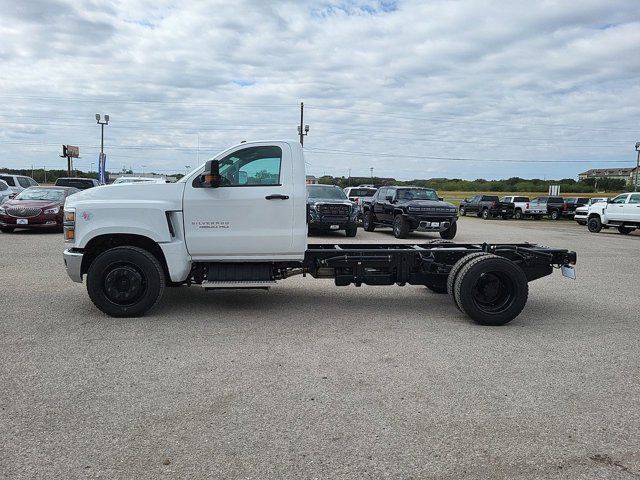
[69, 234]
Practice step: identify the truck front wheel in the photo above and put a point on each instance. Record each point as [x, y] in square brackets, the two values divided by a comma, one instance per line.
[555, 215]
[367, 221]
[351, 231]
[400, 227]
[450, 232]
[485, 214]
[125, 281]
[594, 225]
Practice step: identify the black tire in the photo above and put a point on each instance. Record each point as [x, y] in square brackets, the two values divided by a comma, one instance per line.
[450, 233]
[453, 273]
[367, 221]
[351, 231]
[462, 211]
[6, 229]
[485, 214]
[625, 230]
[437, 288]
[400, 226]
[518, 214]
[554, 215]
[594, 225]
[492, 290]
[125, 281]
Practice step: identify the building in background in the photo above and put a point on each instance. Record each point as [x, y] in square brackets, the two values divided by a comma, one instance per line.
[617, 173]
[311, 180]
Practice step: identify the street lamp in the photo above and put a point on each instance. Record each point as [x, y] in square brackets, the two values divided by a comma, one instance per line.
[635, 184]
[102, 124]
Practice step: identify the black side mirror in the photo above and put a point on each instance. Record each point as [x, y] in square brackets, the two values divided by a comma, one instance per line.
[210, 178]
[441, 199]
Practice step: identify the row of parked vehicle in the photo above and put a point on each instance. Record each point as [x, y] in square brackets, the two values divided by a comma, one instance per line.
[404, 209]
[25, 204]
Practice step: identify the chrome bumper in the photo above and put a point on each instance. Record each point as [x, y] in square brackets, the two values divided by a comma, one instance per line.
[73, 264]
[424, 226]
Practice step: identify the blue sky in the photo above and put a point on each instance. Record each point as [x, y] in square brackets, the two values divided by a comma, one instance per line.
[414, 89]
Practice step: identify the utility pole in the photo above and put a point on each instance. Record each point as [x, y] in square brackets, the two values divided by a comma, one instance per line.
[371, 170]
[303, 129]
[349, 178]
[44, 167]
[31, 170]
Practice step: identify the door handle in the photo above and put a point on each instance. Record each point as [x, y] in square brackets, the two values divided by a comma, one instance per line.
[277, 196]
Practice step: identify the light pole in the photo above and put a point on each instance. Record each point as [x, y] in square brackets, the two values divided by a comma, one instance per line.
[635, 184]
[371, 170]
[102, 124]
[143, 169]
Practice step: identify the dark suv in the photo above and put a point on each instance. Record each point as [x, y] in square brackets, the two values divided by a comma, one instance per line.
[406, 209]
[328, 208]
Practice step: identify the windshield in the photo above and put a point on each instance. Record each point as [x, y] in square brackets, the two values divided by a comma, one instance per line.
[49, 194]
[332, 193]
[362, 192]
[416, 194]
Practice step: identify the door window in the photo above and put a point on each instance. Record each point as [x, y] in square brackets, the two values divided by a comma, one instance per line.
[24, 182]
[635, 198]
[619, 199]
[253, 166]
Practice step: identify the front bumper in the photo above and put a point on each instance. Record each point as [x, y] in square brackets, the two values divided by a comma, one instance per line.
[332, 224]
[39, 221]
[430, 223]
[73, 264]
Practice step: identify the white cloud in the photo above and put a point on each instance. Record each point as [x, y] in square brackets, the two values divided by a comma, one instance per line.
[548, 81]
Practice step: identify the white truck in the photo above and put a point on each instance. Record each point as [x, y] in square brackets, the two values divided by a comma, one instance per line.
[239, 221]
[623, 212]
[520, 204]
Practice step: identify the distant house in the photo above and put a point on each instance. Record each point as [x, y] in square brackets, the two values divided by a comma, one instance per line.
[617, 173]
[311, 180]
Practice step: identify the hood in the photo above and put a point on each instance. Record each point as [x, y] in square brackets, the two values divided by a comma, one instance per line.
[132, 193]
[430, 203]
[328, 201]
[31, 203]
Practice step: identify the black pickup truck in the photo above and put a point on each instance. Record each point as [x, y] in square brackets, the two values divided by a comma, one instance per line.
[328, 208]
[408, 209]
[487, 206]
[570, 205]
[554, 206]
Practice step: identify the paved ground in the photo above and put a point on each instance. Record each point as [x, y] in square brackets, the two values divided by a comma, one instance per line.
[312, 381]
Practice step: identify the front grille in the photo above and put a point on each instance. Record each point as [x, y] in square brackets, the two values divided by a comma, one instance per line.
[334, 210]
[24, 212]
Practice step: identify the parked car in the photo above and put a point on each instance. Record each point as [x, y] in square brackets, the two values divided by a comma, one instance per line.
[18, 183]
[5, 191]
[328, 208]
[139, 180]
[359, 195]
[519, 204]
[406, 209]
[622, 212]
[540, 206]
[570, 205]
[581, 213]
[35, 207]
[76, 182]
[487, 206]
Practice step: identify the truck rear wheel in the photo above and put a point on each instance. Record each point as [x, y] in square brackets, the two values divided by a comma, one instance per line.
[367, 221]
[450, 232]
[400, 227]
[125, 281]
[625, 230]
[463, 212]
[453, 273]
[491, 290]
[555, 215]
[518, 214]
[594, 225]
[485, 214]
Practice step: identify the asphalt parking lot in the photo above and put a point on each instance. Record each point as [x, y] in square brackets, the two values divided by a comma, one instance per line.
[313, 381]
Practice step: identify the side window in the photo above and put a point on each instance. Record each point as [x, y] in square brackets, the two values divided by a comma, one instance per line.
[33, 182]
[253, 166]
[619, 199]
[635, 198]
[24, 182]
[382, 194]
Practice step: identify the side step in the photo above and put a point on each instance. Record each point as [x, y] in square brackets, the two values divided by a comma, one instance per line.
[238, 284]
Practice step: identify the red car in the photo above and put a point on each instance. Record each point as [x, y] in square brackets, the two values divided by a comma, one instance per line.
[35, 207]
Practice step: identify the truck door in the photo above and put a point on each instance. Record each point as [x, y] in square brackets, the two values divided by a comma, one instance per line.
[251, 214]
[616, 209]
[378, 204]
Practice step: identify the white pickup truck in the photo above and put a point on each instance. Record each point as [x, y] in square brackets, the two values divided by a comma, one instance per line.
[623, 212]
[239, 221]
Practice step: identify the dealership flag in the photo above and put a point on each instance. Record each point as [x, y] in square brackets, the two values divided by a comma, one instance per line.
[102, 169]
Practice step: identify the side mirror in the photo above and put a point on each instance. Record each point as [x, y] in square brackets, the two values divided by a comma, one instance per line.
[608, 200]
[441, 199]
[389, 198]
[210, 178]
[12, 196]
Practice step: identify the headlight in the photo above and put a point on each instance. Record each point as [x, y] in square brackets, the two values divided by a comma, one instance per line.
[52, 211]
[2, 211]
[69, 225]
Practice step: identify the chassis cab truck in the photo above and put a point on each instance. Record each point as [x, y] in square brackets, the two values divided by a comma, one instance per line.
[239, 221]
